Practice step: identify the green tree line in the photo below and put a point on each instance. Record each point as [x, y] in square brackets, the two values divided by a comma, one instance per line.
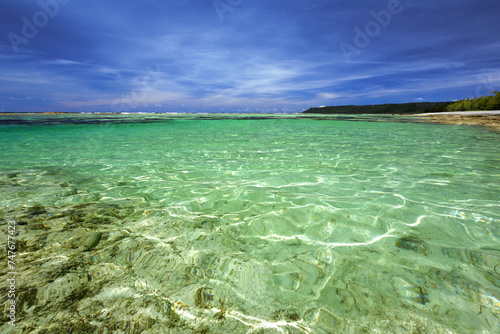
[489, 102]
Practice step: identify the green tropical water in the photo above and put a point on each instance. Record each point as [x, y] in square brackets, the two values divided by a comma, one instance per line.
[250, 224]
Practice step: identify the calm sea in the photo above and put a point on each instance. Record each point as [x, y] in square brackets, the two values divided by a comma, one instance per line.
[249, 224]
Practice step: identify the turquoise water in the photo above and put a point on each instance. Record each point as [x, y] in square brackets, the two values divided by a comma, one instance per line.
[250, 224]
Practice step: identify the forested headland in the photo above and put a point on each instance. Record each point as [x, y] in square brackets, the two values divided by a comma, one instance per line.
[489, 102]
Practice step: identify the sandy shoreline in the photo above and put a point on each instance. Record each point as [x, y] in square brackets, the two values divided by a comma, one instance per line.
[490, 119]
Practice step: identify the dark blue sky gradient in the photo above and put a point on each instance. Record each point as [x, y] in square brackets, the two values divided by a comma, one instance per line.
[243, 55]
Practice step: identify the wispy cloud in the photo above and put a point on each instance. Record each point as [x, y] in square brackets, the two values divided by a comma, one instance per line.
[92, 55]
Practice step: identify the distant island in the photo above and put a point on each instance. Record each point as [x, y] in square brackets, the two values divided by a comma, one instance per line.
[489, 102]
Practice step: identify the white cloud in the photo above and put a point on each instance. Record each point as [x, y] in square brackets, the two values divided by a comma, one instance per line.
[328, 96]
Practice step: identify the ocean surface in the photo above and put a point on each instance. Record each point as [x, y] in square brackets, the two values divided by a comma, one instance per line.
[249, 224]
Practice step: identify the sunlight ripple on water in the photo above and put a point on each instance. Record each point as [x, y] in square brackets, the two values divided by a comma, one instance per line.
[228, 224]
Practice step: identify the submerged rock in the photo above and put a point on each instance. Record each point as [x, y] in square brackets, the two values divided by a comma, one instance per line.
[204, 297]
[35, 210]
[414, 244]
[422, 295]
[27, 297]
[91, 241]
[69, 327]
[288, 315]
[71, 192]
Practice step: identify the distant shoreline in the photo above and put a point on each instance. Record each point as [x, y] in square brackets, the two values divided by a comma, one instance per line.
[376, 109]
[465, 113]
[490, 118]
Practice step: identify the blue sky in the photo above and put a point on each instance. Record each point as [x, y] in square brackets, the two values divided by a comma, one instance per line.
[243, 55]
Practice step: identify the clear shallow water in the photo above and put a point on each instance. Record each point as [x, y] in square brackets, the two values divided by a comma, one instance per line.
[228, 224]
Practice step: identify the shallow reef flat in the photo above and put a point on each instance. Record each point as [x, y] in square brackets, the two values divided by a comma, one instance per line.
[102, 268]
[492, 121]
